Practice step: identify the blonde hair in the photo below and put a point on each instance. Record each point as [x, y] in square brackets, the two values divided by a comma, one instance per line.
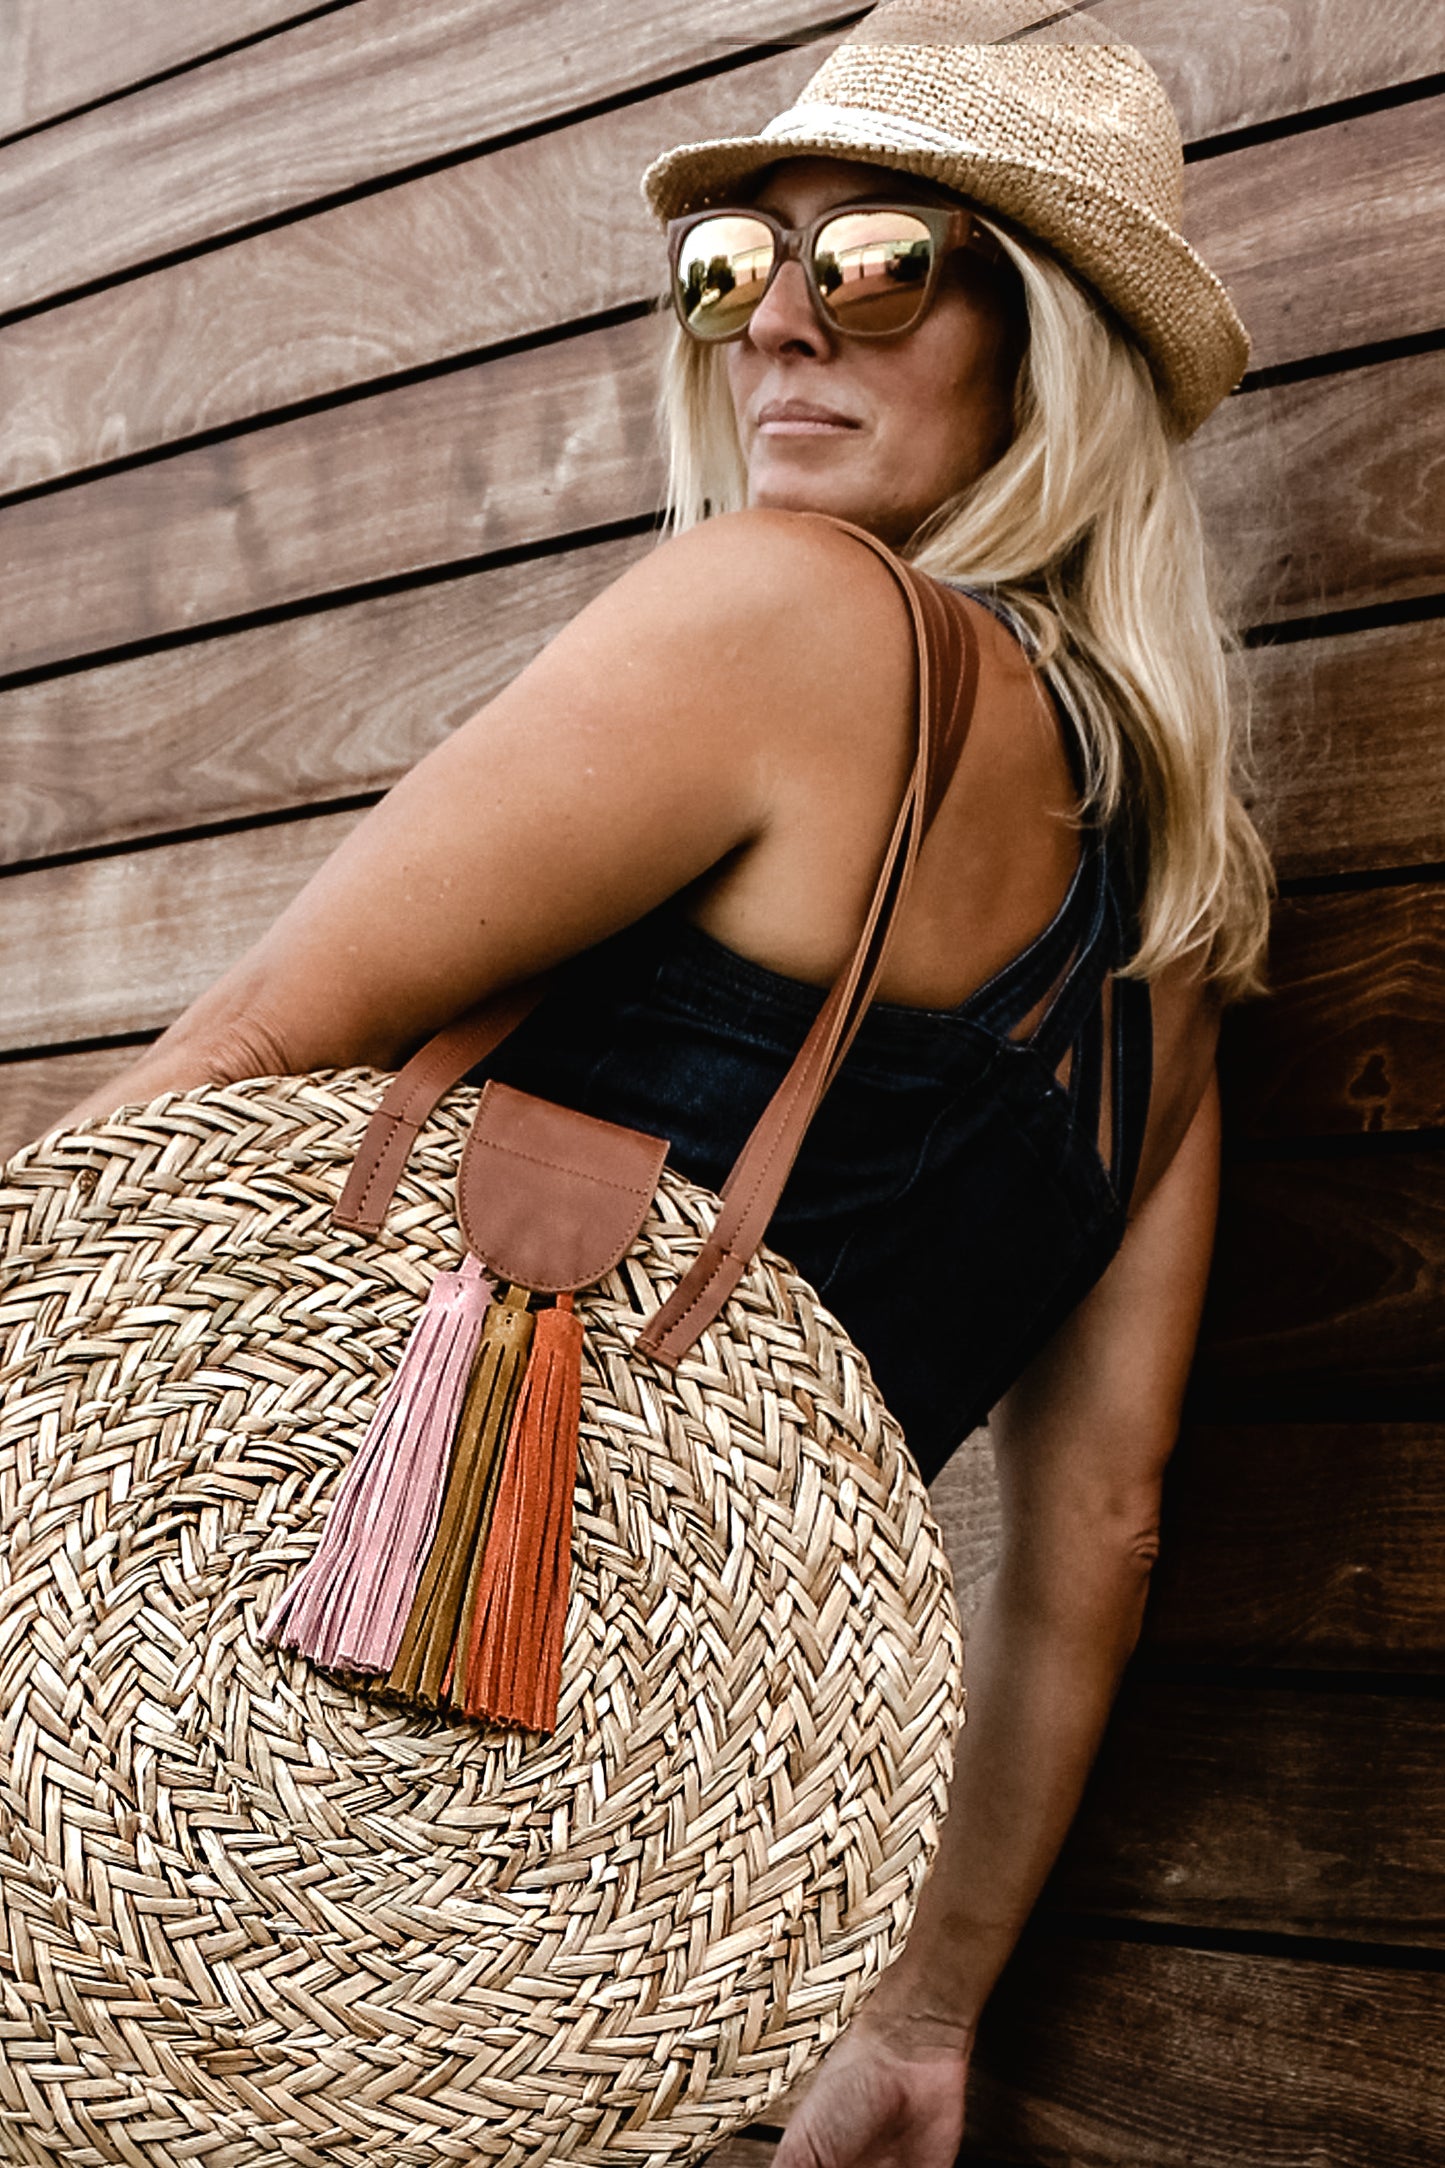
[1087, 528]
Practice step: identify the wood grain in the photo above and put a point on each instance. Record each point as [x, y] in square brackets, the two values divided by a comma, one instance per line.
[1328, 1277]
[390, 83]
[145, 932]
[60, 54]
[392, 281]
[1303, 1545]
[1349, 757]
[373, 287]
[37, 1095]
[330, 105]
[1352, 1039]
[1097, 2054]
[1326, 494]
[321, 706]
[1320, 494]
[1330, 239]
[1237, 1806]
[524, 449]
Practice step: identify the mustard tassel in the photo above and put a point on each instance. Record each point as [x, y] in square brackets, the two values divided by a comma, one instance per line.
[424, 1659]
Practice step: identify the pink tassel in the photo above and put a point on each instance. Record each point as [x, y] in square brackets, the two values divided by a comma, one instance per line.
[348, 1609]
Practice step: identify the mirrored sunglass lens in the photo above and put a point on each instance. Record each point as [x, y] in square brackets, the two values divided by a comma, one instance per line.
[872, 268]
[721, 273]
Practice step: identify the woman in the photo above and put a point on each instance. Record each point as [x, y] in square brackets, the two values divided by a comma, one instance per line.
[964, 322]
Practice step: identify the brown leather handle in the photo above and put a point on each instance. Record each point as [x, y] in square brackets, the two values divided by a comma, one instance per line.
[413, 1093]
[947, 664]
[944, 637]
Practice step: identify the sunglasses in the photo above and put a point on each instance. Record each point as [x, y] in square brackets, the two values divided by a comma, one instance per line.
[872, 268]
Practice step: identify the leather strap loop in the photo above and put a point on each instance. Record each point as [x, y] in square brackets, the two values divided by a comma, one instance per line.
[413, 1093]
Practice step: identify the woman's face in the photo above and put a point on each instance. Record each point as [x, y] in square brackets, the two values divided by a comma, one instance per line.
[877, 431]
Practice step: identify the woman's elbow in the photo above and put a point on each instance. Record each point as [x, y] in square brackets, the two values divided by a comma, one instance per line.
[1083, 1566]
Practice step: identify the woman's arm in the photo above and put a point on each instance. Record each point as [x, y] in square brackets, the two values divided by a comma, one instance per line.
[645, 746]
[1081, 1443]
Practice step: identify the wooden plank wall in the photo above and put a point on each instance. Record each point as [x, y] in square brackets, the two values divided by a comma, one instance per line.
[292, 476]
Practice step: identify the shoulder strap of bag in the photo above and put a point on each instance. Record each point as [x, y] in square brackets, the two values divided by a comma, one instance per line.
[946, 684]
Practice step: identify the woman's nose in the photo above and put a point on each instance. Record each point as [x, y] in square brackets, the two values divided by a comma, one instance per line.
[785, 319]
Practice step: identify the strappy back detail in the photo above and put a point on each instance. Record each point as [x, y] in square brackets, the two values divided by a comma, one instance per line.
[1063, 995]
[966, 1178]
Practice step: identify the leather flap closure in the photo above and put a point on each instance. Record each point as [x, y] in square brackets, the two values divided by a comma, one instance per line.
[551, 1198]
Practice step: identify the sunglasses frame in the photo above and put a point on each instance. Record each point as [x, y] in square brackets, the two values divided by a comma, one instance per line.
[949, 229]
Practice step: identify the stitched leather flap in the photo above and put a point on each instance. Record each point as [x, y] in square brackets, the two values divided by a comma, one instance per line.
[551, 1198]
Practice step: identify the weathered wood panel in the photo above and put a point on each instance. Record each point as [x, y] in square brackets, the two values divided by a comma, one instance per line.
[1327, 494]
[1353, 1037]
[1303, 1545]
[372, 287]
[1239, 1807]
[145, 932]
[392, 281]
[1349, 752]
[393, 82]
[60, 54]
[314, 707]
[36, 1095]
[1321, 494]
[332, 104]
[1112, 2055]
[1329, 239]
[513, 452]
[1349, 755]
[1328, 1275]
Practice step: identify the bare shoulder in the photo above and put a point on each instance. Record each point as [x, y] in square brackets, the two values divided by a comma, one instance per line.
[766, 614]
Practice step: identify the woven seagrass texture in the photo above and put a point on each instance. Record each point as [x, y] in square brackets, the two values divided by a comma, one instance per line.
[252, 1915]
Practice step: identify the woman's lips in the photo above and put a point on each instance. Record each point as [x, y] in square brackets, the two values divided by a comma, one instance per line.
[799, 418]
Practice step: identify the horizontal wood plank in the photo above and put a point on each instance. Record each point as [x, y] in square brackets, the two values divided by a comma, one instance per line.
[316, 707]
[1328, 1277]
[1319, 494]
[1352, 1038]
[1235, 1807]
[1330, 239]
[330, 105]
[371, 288]
[1303, 1545]
[1349, 757]
[60, 54]
[37, 1095]
[147, 931]
[1323, 495]
[390, 83]
[515, 451]
[1098, 2054]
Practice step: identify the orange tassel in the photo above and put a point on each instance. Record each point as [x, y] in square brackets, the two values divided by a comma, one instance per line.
[510, 1659]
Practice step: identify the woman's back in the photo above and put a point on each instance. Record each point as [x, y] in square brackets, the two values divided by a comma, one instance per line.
[969, 1174]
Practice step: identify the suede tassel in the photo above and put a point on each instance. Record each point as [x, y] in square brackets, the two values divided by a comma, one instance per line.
[510, 1664]
[424, 1660]
[348, 1609]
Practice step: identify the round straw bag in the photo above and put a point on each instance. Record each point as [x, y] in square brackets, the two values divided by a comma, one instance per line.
[254, 1912]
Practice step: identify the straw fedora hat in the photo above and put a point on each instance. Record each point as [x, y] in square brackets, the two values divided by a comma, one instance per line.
[1072, 139]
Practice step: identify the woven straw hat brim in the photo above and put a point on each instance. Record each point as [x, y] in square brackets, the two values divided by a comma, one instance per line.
[1170, 301]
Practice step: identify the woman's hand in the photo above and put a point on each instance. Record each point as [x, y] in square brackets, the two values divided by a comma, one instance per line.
[889, 2094]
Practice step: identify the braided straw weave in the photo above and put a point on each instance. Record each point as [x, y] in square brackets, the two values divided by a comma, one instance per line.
[253, 1916]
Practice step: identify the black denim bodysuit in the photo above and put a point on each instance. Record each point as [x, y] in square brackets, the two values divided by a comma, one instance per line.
[951, 1203]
